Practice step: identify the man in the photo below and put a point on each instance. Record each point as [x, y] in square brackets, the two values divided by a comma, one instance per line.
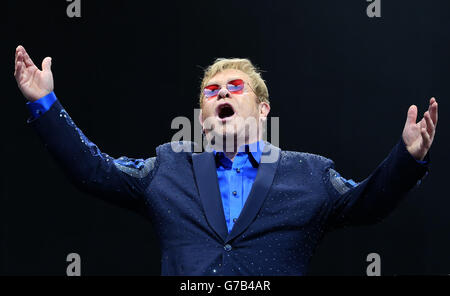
[235, 210]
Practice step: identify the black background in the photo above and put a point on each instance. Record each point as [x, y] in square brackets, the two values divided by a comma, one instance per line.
[339, 81]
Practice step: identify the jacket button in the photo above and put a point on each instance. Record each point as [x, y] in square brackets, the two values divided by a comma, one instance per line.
[234, 193]
[227, 247]
[238, 170]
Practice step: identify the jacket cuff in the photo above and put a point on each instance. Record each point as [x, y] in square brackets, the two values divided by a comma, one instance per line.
[51, 114]
[420, 168]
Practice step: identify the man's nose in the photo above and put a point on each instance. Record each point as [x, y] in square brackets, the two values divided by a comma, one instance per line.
[223, 93]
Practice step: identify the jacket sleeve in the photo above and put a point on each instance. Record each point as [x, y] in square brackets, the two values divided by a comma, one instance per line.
[121, 181]
[374, 198]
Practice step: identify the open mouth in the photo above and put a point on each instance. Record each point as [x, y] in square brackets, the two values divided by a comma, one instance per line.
[225, 111]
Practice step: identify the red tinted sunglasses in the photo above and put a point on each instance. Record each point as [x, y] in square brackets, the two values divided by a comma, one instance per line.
[235, 86]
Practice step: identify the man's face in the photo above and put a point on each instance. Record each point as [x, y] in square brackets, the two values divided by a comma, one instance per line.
[231, 106]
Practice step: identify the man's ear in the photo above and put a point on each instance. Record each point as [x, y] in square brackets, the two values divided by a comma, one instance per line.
[264, 109]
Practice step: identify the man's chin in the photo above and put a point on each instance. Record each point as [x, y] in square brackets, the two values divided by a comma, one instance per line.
[226, 135]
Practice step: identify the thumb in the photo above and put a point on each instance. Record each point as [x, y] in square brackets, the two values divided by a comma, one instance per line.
[412, 115]
[46, 64]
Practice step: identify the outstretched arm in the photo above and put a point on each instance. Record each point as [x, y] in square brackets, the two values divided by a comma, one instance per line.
[121, 181]
[376, 196]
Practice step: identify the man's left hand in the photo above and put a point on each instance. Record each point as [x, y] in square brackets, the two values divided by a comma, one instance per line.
[418, 137]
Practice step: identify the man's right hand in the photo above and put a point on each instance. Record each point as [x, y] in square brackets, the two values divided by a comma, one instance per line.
[32, 82]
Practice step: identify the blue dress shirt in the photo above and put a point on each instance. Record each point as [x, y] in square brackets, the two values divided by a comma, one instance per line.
[236, 178]
[39, 107]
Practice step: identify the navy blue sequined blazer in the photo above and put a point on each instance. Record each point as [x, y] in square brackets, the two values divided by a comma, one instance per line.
[293, 202]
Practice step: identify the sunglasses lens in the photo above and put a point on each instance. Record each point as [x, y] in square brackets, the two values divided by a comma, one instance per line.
[235, 85]
[211, 91]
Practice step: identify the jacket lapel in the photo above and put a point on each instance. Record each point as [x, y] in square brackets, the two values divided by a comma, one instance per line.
[260, 188]
[208, 186]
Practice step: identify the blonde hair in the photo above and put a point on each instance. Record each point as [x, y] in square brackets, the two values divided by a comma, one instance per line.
[257, 83]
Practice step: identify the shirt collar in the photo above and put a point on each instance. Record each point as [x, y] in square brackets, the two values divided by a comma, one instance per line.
[253, 150]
